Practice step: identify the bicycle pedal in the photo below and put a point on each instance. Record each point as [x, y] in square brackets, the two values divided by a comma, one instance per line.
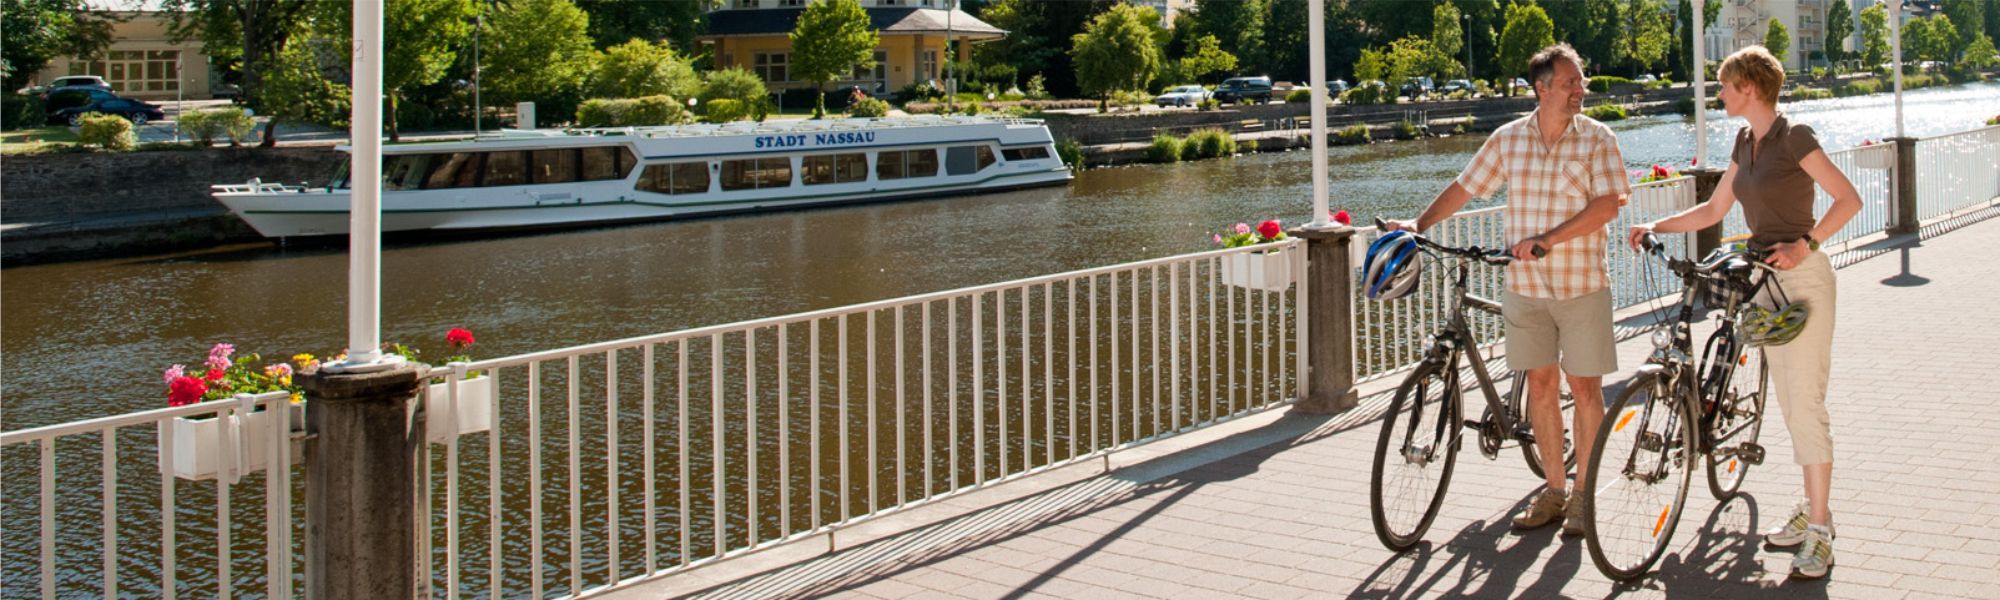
[1750, 452]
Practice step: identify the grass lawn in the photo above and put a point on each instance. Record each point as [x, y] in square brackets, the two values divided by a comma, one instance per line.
[34, 141]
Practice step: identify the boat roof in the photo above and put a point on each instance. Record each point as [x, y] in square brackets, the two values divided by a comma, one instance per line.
[732, 129]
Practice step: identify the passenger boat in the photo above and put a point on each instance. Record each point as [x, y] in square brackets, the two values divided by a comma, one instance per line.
[549, 178]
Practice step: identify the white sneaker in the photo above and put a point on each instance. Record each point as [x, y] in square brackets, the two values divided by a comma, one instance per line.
[1793, 532]
[1815, 557]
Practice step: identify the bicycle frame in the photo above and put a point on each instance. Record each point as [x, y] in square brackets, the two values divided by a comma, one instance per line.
[1456, 336]
[1674, 366]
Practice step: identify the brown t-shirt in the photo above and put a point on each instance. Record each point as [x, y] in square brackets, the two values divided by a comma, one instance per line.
[1777, 195]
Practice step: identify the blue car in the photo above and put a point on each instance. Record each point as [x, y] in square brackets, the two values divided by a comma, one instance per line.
[67, 107]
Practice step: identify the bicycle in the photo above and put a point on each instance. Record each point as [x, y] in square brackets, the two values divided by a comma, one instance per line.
[1675, 409]
[1435, 384]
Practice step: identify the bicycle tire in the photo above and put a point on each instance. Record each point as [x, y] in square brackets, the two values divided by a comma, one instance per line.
[1627, 535]
[1533, 453]
[1726, 475]
[1401, 531]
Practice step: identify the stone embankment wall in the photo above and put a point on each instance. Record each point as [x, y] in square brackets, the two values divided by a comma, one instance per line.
[69, 187]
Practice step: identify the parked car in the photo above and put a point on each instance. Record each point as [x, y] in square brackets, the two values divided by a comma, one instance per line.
[67, 106]
[73, 81]
[1522, 85]
[223, 90]
[1459, 84]
[1244, 90]
[1646, 77]
[1336, 86]
[1182, 95]
[1417, 86]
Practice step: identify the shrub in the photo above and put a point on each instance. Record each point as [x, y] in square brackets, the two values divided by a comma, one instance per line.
[733, 83]
[1352, 134]
[1209, 143]
[1405, 130]
[1811, 93]
[1299, 95]
[724, 111]
[623, 112]
[1165, 149]
[872, 108]
[1130, 98]
[1858, 87]
[1249, 146]
[1070, 150]
[1603, 83]
[1038, 88]
[1819, 72]
[973, 108]
[920, 91]
[1209, 104]
[110, 132]
[19, 111]
[1656, 84]
[1368, 94]
[1605, 112]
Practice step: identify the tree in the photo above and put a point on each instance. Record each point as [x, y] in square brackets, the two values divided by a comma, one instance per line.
[1929, 39]
[538, 50]
[1839, 25]
[636, 68]
[420, 39]
[34, 31]
[1968, 17]
[1528, 31]
[831, 40]
[249, 34]
[1237, 24]
[1117, 51]
[1992, 13]
[1446, 32]
[1591, 26]
[1874, 35]
[1777, 39]
[1206, 57]
[1023, 49]
[1683, 51]
[296, 82]
[1644, 33]
[675, 21]
[1980, 54]
[1372, 66]
[1036, 38]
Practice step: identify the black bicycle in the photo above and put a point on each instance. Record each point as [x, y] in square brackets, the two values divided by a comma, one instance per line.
[1677, 409]
[1421, 430]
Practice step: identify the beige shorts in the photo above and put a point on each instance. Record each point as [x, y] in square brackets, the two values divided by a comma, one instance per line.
[1576, 330]
[1800, 369]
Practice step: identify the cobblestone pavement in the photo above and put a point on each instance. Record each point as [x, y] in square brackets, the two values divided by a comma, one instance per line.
[1280, 510]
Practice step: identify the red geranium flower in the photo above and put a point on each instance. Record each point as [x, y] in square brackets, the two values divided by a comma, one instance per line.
[1660, 171]
[213, 375]
[1270, 229]
[1343, 218]
[458, 337]
[185, 390]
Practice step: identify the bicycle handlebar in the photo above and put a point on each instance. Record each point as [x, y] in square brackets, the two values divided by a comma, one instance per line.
[1651, 244]
[1496, 256]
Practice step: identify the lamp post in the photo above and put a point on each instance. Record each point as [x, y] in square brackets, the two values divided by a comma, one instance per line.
[1465, 33]
[478, 109]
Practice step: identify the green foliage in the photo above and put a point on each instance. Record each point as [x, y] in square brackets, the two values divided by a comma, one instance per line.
[1874, 35]
[1644, 33]
[1929, 39]
[1352, 134]
[1130, 98]
[1038, 88]
[19, 111]
[205, 126]
[1368, 94]
[34, 31]
[1249, 146]
[871, 108]
[1204, 58]
[420, 40]
[637, 68]
[298, 90]
[734, 84]
[1839, 25]
[1117, 50]
[1528, 30]
[110, 132]
[1071, 152]
[1209, 143]
[1857, 87]
[540, 51]
[1446, 30]
[1603, 83]
[1980, 55]
[1405, 129]
[831, 40]
[1777, 39]
[1606, 112]
[1032, 43]
[1208, 104]
[1298, 95]
[672, 24]
[1165, 149]
[623, 112]
[724, 110]
[1239, 25]
[1970, 18]
[920, 91]
[1372, 65]
[1811, 93]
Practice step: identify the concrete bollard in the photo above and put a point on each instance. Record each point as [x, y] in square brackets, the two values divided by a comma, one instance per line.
[1707, 239]
[365, 517]
[1903, 216]
[1330, 321]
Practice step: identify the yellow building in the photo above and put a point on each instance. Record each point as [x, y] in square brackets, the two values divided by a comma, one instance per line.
[143, 61]
[754, 35]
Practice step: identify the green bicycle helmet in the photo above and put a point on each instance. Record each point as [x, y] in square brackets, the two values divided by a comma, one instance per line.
[1766, 327]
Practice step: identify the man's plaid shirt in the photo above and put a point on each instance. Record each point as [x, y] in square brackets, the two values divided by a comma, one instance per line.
[1547, 185]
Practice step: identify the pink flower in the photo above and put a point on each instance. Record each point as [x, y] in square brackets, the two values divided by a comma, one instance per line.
[278, 370]
[1218, 238]
[1270, 229]
[1242, 228]
[218, 357]
[174, 372]
[1343, 218]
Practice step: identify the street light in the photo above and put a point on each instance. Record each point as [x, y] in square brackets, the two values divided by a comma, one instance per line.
[1466, 34]
[478, 109]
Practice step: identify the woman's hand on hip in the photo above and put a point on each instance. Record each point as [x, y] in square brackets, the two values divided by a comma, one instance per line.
[1785, 255]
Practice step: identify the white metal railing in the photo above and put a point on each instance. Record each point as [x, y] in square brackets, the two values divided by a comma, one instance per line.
[626, 460]
[99, 533]
[1956, 171]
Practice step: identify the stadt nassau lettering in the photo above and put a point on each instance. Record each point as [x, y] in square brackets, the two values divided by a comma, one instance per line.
[817, 139]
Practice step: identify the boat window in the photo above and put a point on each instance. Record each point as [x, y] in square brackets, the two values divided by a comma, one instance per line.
[889, 165]
[506, 168]
[554, 166]
[961, 160]
[458, 169]
[836, 168]
[898, 164]
[756, 173]
[1028, 153]
[606, 162]
[403, 171]
[923, 163]
[676, 178]
[985, 156]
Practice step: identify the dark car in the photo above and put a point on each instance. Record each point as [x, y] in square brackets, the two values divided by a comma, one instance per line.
[67, 107]
[1244, 90]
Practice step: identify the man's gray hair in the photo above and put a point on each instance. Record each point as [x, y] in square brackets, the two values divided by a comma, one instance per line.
[1542, 66]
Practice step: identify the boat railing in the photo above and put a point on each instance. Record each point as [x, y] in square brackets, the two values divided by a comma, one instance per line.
[255, 186]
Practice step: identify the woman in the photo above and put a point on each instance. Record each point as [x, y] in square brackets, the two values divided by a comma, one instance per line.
[1772, 172]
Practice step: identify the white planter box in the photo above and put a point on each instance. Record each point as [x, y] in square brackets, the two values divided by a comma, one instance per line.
[207, 447]
[1268, 271]
[1875, 159]
[474, 414]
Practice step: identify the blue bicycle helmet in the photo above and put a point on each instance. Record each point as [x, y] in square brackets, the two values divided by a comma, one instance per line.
[1392, 266]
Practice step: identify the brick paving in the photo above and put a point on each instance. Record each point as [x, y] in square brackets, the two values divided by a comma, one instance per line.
[1278, 508]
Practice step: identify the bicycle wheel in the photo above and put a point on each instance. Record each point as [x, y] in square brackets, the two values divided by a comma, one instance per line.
[1638, 478]
[1532, 452]
[1738, 419]
[1415, 455]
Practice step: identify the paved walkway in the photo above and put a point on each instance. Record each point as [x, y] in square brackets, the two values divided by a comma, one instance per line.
[1277, 507]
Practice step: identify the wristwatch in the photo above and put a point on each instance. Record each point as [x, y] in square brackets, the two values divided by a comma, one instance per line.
[1810, 242]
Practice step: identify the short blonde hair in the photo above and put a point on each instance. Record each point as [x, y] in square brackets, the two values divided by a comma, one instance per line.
[1756, 67]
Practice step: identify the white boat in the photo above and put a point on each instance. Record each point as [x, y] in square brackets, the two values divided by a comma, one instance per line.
[548, 178]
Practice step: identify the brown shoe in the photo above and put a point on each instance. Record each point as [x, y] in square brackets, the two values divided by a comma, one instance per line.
[1546, 508]
[1573, 519]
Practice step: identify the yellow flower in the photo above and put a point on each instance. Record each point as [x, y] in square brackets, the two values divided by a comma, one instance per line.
[285, 381]
[297, 397]
[302, 358]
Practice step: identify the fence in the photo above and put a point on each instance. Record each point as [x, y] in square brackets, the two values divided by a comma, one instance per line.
[1959, 170]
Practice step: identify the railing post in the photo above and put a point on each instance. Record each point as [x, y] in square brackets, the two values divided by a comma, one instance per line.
[365, 485]
[1706, 239]
[1903, 216]
[1330, 320]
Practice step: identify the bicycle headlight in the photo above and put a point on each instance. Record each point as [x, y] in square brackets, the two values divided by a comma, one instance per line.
[1662, 338]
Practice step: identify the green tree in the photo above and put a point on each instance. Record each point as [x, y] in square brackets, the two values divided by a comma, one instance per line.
[636, 68]
[1874, 35]
[831, 40]
[1372, 66]
[1980, 54]
[1237, 24]
[1024, 48]
[1929, 39]
[538, 50]
[1117, 51]
[1206, 57]
[1591, 26]
[1287, 41]
[1528, 31]
[1777, 39]
[734, 84]
[296, 82]
[1683, 52]
[1839, 25]
[34, 31]
[1447, 33]
[249, 34]
[1992, 13]
[420, 39]
[1968, 18]
[1644, 34]
[676, 21]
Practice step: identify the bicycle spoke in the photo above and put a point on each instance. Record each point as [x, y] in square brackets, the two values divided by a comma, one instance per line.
[1413, 458]
[1639, 482]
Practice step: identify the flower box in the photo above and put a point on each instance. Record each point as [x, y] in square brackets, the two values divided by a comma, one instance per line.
[1268, 271]
[1873, 158]
[474, 414]
[207, 447]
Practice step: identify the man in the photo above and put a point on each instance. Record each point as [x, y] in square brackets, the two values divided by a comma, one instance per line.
[1565, 180]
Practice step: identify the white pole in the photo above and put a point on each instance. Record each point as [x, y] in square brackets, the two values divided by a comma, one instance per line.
[1316, 37]
[478, 108]
[1700, 71]
[180, 95]
[1896, 57]
[364, 233]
